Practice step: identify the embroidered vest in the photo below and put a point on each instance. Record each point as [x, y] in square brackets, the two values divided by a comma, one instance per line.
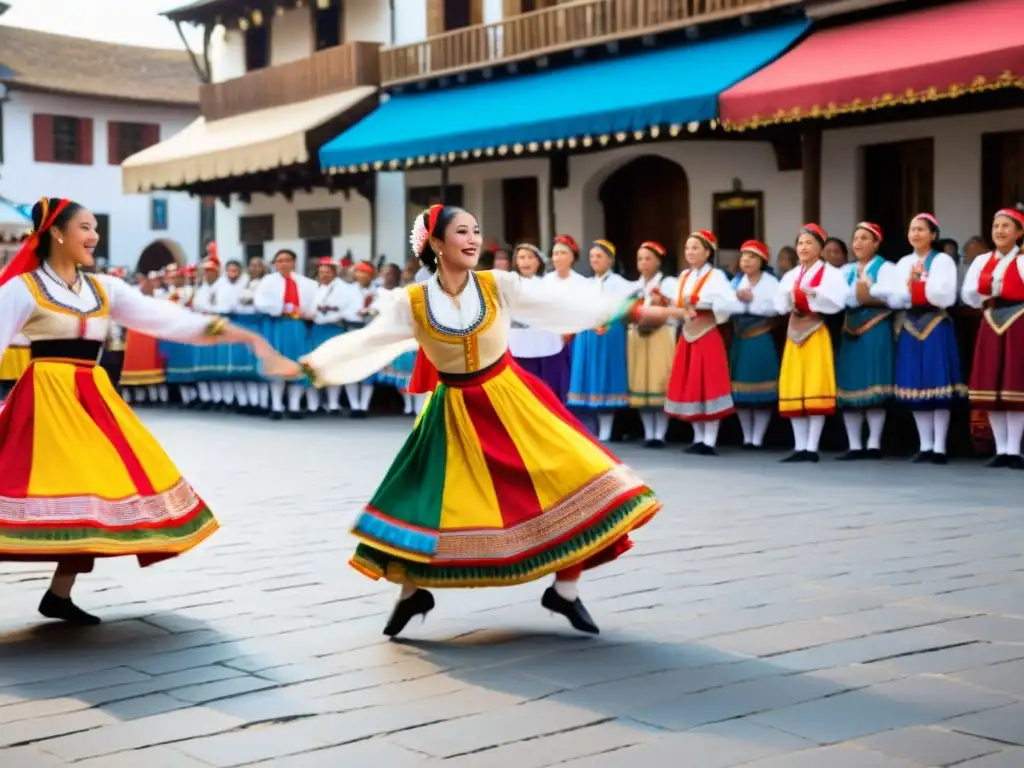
[1004, 310]
[704, 321]
[747, 326]
[860, 320]
[803, 323]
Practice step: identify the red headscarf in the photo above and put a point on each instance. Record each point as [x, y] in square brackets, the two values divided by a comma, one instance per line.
[1012, 213]
[27, 259]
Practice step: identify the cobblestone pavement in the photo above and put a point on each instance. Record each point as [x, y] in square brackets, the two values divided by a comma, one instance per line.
[773, 616]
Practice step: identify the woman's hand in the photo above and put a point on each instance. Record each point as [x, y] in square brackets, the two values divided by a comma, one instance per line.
[745, 295]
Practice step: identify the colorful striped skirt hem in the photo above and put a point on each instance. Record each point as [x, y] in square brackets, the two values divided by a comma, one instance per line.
[81, 477]
[498, 484]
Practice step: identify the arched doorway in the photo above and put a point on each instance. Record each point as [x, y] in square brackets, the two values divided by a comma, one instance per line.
[158, 255]
[646, 199]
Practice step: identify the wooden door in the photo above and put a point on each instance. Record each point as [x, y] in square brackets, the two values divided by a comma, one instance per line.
[521, 209]
[1002, 175]
[647, 199]
[899, 182]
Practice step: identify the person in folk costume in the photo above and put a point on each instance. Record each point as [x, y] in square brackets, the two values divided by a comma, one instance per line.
[80, 476]
[359, 309]
[144, 371]
[699, 389]
[112, 359]
[289, 301]
[928, 378]
[807, 377]
[565, 252]
[542, 353]
[498, 484]
[650, 349]
[753, 358]
[179, 358]
[399, 373]
[211, 364]
[328, 323]
[257, 391]
[240, 364]
[867, 350]
[995, 282]
[598, 383]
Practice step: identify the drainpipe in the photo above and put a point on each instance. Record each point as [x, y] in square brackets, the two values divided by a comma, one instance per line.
[391, 14]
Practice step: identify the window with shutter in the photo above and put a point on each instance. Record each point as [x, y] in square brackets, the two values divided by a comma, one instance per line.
[42, 138]
[253, 230]
[85, 137]
[320, 225]
[66, 138]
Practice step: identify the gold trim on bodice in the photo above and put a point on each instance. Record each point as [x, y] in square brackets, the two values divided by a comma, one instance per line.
[438, 341]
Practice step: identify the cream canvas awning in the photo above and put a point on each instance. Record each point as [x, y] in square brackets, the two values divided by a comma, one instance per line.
[236, 146]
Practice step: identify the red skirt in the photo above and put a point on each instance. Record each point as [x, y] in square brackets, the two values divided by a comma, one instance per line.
[424, 377]
[700, 388]
[143, 363]
[997, 373]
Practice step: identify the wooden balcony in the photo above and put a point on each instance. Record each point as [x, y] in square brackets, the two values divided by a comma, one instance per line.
[568, 25]
[325, 72]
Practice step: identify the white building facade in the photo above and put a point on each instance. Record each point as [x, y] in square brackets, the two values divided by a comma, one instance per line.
[62, 144]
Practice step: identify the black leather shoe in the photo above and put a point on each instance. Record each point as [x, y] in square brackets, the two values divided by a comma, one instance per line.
[796, 457]
[63, 609]
[419, 603]
[940, 458]
[654, 444]
[694, 448]
[923, 457]
[812, 457]
[998, 461]
[856, 455]
[1015, 462]
[276, 415]
[573, 610]
[873, 454]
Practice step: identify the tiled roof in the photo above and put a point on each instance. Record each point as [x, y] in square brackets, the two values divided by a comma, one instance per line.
[61, 64]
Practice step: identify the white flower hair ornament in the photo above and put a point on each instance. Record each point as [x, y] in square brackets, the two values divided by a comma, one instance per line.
[422, 226]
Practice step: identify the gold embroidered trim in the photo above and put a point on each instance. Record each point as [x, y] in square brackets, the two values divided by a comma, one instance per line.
[925, 332]
[979, 84]
[1000, 329]
[862, 329]
[215, 327]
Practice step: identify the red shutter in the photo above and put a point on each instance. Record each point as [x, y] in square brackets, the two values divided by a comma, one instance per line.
[150, 135]
[42, 138]
[113, 143]
[85, 140]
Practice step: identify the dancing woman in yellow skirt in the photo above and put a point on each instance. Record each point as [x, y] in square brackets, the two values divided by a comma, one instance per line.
[80, 477]
[498, 484]
[807, 379]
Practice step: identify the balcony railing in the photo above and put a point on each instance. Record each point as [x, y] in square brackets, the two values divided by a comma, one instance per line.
[325, 72]
[561, 27]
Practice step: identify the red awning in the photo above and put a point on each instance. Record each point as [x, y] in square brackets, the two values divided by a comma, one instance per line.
[936, 53]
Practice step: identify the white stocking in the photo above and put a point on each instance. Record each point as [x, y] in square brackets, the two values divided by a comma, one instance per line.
[352, 393]
[762, 418]
[241, 393]
[815, 425]
[406, 403]
[925, 430]
[204, 391]
[876, 424]
[277, 388]
[567, 589]
[647, 417]
[313, 400]
[746, 417]
[997, 420]
[698, 431]
[801, 430]
[854, 423]
[333, 399]
[295, 393]
[604, 424]
[660, 425]
[711, 433]
[1014, 432]
[419, 400]
[365, 396]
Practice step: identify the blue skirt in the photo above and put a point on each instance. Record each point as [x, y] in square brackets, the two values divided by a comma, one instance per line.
[242, 364]
[864, 370]
[928, 373]
[399, 373]
[180, 362]
[599, 379]
[754, 370]
[289, 337]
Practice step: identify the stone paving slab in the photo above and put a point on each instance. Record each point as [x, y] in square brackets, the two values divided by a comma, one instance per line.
[773, 616]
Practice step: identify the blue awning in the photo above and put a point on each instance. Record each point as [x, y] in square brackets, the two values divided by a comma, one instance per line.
[669, 87]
